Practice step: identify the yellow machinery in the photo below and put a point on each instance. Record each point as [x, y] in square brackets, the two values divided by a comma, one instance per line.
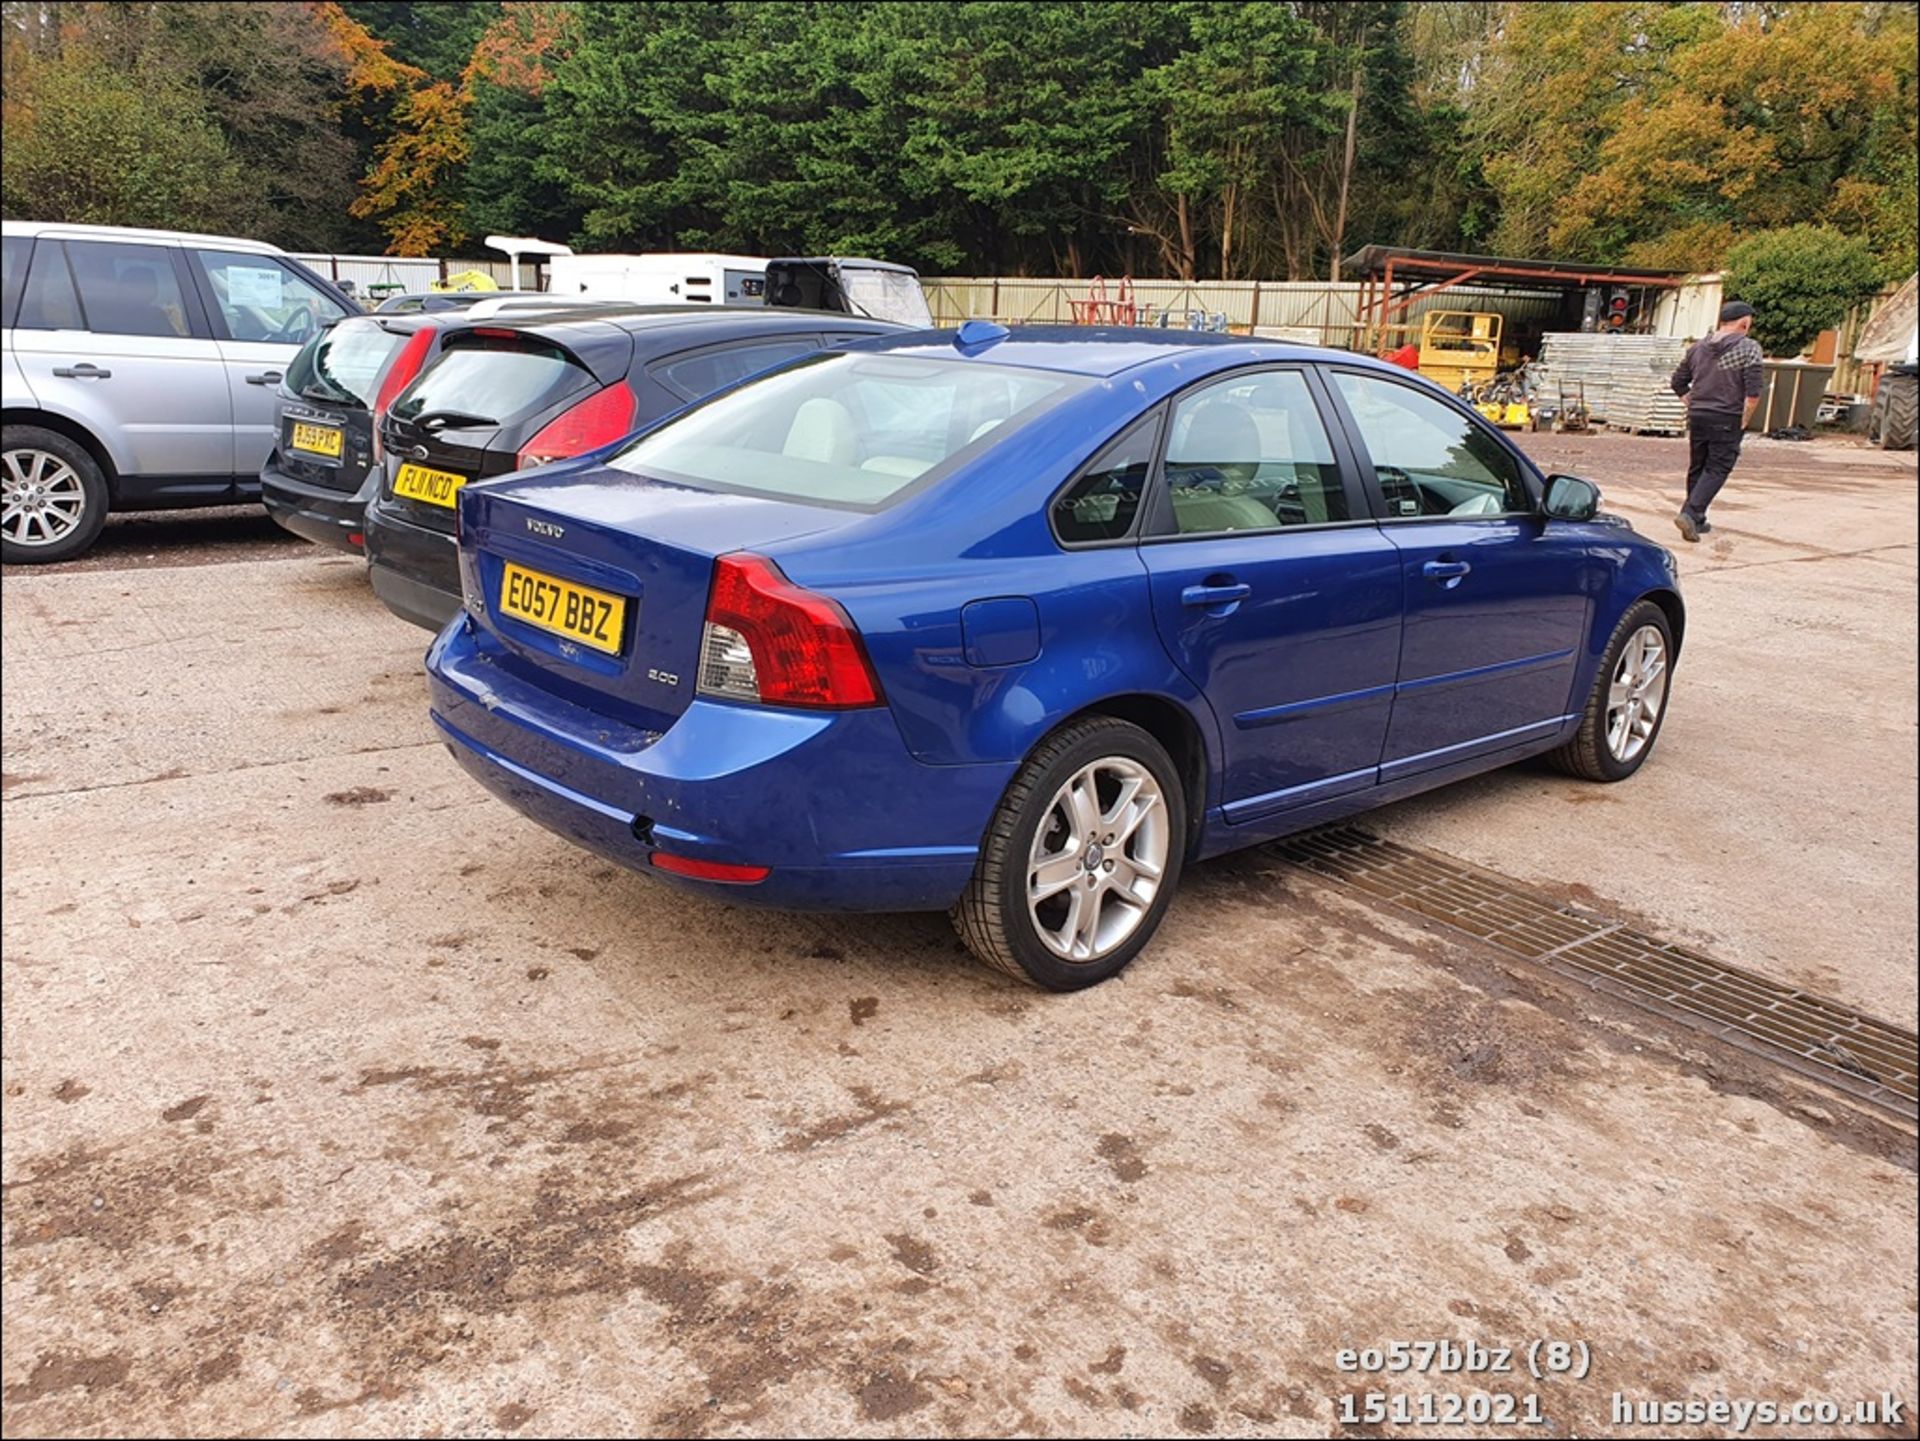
[465, 280]
[1507, 400]
[1460, 348]
[1508, 414]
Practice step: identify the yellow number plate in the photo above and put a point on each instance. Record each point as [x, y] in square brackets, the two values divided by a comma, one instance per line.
[435, 487]
[317, 439]
[577, 612]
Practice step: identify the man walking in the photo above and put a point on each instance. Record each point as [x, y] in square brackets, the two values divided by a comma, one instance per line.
[1720, 378]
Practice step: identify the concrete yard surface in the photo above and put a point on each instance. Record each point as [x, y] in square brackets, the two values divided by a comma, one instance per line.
[341, 1100]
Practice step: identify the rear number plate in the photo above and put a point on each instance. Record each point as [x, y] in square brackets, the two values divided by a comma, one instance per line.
[316, 439]
[435, 487]
[578, 612]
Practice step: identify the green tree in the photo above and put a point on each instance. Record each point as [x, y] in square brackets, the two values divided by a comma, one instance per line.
[87, 142]
[271, 77]
[505, 189]
[1800, 280]
[1357, 160]
[1018, 123]
[803, 149]
[1658, 134]
[627, 113]
[436, 36]
[1223, 105]
[267, 77]
[1548, 96]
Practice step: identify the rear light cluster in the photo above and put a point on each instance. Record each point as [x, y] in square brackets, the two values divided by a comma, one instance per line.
[600, 419]
[406, 366]
[767, 640]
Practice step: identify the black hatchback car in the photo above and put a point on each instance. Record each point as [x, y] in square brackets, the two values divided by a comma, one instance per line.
[505, 396]
[320, 473]
[323, 467]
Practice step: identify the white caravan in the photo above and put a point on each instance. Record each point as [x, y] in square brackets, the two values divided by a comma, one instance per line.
[700, 279]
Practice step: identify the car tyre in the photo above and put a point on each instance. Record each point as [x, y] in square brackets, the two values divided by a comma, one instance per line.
[51, 485]
[1095, 810]
[1628, 703]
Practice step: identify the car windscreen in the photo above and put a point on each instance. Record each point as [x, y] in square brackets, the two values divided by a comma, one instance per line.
[500, 380]
[343, 364]
[851, 430]
[885, 295]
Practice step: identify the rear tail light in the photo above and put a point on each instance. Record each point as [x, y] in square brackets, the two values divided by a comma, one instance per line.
[708, 870]
[406, 365]
[767, 640]
[600, 419]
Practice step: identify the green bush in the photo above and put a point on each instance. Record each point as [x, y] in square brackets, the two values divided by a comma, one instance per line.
[89, 144]
[1800, 281]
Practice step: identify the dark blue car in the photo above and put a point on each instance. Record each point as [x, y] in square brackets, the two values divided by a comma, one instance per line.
[1018, 624]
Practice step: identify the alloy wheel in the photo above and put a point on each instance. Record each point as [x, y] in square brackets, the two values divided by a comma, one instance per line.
[1637, 694]
[41, 499]
[1097, 859]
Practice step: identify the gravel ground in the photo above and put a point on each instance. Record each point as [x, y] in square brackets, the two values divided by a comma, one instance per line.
[340, 1100]
[184, 537]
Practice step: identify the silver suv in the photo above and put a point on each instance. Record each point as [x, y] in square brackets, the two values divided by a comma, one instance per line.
[140, 373]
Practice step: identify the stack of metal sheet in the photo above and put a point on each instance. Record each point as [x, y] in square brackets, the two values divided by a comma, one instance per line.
[1625, 377]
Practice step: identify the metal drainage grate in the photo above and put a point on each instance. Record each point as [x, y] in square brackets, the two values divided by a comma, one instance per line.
[1835, 1044]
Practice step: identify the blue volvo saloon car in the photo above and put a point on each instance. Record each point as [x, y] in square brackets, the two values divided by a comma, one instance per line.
[1018, 624]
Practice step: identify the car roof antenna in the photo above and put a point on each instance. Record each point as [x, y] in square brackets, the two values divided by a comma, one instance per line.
[977, 335]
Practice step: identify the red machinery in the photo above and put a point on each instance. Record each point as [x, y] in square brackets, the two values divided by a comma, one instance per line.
[1098, 309]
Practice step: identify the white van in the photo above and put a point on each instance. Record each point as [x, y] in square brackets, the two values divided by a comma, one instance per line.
[660, 279]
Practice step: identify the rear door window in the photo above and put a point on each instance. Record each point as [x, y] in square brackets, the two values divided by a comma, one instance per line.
[48, 301]
[497, 383]
[13, 274]
[128, 289]
[1102, 503]
[259, 299]
[344, 364]
[701, 373]
[1250, 453]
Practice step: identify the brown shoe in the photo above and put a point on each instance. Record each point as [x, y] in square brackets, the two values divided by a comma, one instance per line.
[1687, 527]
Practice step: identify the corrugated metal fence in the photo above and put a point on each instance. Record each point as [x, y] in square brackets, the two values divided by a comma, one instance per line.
[416, 274]
[1318, 311]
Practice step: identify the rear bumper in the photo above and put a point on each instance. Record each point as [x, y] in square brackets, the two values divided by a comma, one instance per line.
[833, 804]
[325, 517]
[415, 571]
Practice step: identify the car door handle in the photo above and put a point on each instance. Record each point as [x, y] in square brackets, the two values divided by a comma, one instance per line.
[1445, 570]
[265, 377]
[1223, 593]
[82, 371]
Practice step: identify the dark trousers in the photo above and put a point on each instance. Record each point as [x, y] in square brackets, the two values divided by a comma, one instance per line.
[1713, 444]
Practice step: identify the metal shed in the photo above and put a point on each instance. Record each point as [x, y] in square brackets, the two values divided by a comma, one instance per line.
[1394, 279]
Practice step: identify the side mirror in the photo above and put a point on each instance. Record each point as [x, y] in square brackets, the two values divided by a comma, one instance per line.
[1571, 498]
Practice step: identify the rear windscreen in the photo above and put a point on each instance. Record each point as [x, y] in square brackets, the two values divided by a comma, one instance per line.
[501, 383]
[848, 430]
[343, 365]
[885, 295]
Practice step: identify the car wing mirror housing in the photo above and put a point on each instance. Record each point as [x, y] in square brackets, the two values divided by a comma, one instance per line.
[1571, 498]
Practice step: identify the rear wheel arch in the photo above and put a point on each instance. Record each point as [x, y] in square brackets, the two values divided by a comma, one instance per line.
[1020, 913]
[1177, 731]
[79, 434]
